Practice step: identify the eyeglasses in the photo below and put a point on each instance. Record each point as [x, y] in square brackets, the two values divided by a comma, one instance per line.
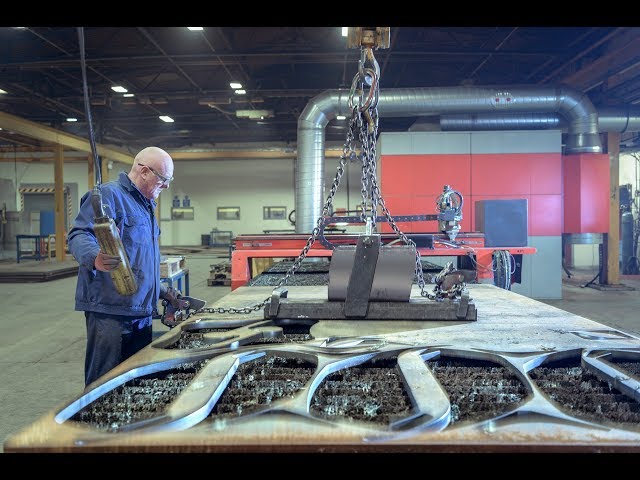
[163, 179]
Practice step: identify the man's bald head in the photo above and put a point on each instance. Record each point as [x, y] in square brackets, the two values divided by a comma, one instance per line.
[150, 166]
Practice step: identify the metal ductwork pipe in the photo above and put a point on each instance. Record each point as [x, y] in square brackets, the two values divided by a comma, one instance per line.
[619, 120]
[574, 106]
[610, 119]
[486, 121]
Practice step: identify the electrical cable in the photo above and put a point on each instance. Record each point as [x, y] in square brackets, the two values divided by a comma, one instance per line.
[599, 268]
[87, 110]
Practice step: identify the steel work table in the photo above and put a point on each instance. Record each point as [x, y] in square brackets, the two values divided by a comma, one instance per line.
[513, 334]
[39, 250]
[177, 278]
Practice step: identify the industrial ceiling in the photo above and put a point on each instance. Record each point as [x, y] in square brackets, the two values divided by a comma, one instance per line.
[186, 74]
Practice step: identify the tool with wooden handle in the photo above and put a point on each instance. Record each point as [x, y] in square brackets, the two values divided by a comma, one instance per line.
[110, 243]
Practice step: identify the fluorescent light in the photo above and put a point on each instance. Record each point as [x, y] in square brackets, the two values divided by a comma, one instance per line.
[345, 31]
[2, 91]
[195, 29]
[341, 117]
[119, 89]
[128, 95]
[72, 119]
[235, 85]
[166, 118]
[240, 92]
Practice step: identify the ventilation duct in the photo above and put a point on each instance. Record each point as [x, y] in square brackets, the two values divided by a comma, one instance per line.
[575, 107]
[619, 120]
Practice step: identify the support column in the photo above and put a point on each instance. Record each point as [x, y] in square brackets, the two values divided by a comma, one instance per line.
[58, 173]
[104, 170]
[611, 245]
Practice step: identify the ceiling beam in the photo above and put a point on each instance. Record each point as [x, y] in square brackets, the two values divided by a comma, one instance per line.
[57, 137]
[221, 154]
[284, 153]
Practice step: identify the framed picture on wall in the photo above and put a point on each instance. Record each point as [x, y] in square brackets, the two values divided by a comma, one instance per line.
[274, 213]
[228, 213]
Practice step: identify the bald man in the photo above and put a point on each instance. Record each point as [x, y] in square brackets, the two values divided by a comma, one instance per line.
[120, 325]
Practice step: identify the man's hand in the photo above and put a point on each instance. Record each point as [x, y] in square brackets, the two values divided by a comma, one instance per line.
[106, 263]
[173, 297]
[175, 306]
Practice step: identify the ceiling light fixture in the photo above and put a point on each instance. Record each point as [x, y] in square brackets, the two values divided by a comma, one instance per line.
[255, 114]
[235, 85]
[195, 29]
[119, 89]
[72, 119]
[240, 91]
[128, 95]
[2, 91]
[341, 117]
[166, 118]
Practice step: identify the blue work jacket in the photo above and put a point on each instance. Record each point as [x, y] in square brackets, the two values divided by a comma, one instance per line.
[134, 217]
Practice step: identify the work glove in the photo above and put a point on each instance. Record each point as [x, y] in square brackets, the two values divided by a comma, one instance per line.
[106, 263]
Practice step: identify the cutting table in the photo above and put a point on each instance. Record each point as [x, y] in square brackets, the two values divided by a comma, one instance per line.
[524, 376]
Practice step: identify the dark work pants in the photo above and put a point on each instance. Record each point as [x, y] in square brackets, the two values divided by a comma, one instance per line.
[111, 339]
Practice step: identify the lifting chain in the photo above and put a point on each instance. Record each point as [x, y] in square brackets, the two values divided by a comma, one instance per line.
[363, 128]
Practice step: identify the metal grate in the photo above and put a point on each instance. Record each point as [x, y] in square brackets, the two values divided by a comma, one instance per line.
[291, 333]
[138, 399]
[371, 392]
[581, 394]
[260, 382]
[477, 389]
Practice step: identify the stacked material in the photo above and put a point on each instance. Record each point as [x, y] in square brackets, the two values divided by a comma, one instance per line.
[37, 271]
[220, 274]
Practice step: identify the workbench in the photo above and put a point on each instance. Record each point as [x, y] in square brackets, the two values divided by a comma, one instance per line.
[177, 278]
[237, 383]
[40, 247]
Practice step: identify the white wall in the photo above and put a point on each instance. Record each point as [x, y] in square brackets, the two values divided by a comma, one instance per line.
[248, 184]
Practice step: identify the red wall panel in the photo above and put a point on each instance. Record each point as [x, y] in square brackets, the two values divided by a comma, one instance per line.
[545, 215]
[586, 193]
[546, 173]
[410, 185]
[500, 174]
[565, 194]
[395, 175]
[436, 171]
[424, 174]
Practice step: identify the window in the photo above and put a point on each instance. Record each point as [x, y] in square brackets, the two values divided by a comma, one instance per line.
[228, 213]
[274, 213]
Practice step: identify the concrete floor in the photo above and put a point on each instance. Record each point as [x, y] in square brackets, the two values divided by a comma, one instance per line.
[42, 339]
